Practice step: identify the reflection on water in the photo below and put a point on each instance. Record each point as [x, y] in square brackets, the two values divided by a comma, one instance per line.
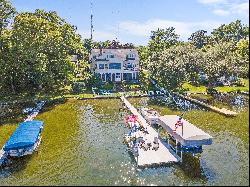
[15, 165]
[174, 102]
[83, 145]
[191, 167]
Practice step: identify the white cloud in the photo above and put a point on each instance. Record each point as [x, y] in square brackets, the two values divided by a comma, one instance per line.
[221, 12]
[241, 9]
[226, 7]
[184, 29]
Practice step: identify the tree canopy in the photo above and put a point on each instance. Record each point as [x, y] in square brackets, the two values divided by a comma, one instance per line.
[39, 48]
[171, 62]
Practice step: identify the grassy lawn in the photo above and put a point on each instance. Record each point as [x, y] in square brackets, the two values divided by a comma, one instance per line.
[191, 89]
[194, 89]
[234, 88]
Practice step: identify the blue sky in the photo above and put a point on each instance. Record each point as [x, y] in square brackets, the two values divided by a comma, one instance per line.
[132, 20]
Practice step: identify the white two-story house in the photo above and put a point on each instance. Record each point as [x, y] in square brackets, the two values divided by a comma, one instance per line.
[115, 64]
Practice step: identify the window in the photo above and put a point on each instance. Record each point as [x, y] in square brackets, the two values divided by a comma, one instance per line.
[129, 66]
[118, 75]
[127, 76]
[131, 56]
[106, 66]
[103, 77]
[101, 66]
[110, 56]
[115, 66]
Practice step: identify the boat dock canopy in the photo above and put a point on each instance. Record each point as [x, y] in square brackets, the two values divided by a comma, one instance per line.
[25, 135]
[192, 136]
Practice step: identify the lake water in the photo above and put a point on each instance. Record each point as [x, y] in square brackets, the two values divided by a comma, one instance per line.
[83, 145]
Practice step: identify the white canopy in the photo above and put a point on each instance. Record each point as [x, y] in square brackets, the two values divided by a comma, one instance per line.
[192, 136]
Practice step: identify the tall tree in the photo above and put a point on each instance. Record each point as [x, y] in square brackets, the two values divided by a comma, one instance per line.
[199, 38]
[176, 65]
[162, 39]
[42, 45]
[220, 60]
[233, 31]
[143, 52]
[7, 12]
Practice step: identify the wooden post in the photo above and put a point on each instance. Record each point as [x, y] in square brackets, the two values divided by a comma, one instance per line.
[176, 146]
[181, 153]
[137, 160]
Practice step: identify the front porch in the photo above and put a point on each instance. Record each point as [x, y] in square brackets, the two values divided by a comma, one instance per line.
[118, 77]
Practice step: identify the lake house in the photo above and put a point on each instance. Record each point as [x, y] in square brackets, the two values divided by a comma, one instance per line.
[115, 65]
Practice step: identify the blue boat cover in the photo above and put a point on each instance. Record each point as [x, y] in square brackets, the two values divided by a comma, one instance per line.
[25, 135]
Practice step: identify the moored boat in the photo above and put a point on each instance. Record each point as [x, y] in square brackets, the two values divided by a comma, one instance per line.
[25, 139]
[151, 115]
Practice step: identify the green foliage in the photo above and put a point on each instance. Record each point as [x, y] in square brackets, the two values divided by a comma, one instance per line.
[234, 31]
[243, 49]
[144, 80]
[7, 12]
[78, 87]
[198, 38]
[143, 52]
[38, 51]
[114, 44]
[176, 65]
[219, 61]
[162, 39]
[94, 81]
[108, 86]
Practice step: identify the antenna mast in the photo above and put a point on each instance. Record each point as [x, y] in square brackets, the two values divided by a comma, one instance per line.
[91, 21]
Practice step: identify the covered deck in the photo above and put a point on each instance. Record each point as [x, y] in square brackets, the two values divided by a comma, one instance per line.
[187, 134]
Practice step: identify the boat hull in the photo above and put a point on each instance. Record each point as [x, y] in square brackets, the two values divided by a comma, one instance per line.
[25, 151]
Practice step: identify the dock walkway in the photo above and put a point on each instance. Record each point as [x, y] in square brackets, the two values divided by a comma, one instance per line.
[2, 156]
[151, 157]
[223, 111]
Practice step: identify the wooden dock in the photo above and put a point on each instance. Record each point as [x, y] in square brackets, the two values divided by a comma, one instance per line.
[151, 157]
[2, 156]
[244, 92]
[223, 111]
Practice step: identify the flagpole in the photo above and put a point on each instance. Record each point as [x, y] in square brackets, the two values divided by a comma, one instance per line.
[182, 125]
[182, 129]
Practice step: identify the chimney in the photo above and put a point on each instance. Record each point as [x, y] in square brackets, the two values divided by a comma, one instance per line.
[100, 50]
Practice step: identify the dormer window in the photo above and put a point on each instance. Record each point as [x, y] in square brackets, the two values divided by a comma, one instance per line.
[110, 56]
[131, 56]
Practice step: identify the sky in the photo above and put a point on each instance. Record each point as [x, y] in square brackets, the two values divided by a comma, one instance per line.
[131, 21]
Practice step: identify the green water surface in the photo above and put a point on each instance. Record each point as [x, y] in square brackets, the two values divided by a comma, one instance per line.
[82, 144]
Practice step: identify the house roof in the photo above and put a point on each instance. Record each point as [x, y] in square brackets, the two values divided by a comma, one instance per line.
[120, 53]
